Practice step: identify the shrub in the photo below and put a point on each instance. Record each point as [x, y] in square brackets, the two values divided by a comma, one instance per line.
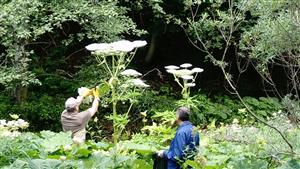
[41, 112]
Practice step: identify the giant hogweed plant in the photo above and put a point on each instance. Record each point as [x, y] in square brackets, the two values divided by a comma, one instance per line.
[123, 84]
[162, 132]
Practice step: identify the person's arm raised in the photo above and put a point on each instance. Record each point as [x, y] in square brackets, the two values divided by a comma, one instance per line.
[94, 107]
[79, 99]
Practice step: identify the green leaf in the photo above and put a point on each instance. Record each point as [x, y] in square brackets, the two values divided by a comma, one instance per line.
[104, 89]
[193, 164]
[102, 145]
[18, 164]
[82, 152]
[139, 163]
[139, 148]
[53, 141]
[292, 164]
[43, 163]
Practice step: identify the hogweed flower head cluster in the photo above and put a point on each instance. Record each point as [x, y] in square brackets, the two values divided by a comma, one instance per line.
[131, 73]
[115, 47]
[137, 82]
[119, 60]
[184, 75]
[184, 71]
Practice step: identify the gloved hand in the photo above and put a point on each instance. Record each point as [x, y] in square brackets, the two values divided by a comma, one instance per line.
[96, 92]
[88, 92]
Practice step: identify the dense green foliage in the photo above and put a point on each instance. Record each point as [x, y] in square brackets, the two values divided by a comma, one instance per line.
[274, 41]
[41, 31]
[228, 146]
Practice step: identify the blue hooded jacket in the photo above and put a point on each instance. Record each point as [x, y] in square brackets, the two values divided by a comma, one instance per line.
[183, 142]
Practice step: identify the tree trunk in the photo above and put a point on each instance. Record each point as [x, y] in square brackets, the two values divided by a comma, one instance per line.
[21, 94]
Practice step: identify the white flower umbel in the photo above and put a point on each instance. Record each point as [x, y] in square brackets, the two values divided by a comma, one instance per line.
[197, 70]
[186, 65]
[122, 46]
[139, 83]
[171, 67]
[98, 46]
[139, 43]
[130, 72]
[119, 46]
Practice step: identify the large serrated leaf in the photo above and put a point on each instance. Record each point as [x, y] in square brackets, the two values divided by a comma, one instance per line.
[43, 163]
[139, 148]
[292, 164]
[53, 141]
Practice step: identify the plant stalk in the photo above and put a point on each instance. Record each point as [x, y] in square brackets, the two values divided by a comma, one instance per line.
[114, 107]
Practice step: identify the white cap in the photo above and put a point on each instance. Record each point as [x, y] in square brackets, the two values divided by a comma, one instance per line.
[71, 103]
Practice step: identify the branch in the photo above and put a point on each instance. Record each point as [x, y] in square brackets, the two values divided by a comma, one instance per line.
[52, 39]
[256, 117]
[37, 43]
[155, 69]
[70, 55]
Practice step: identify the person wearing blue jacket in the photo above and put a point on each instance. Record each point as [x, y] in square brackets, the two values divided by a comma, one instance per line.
[185, 142]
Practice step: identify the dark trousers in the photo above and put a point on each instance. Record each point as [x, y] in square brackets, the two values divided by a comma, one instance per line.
[159, 163]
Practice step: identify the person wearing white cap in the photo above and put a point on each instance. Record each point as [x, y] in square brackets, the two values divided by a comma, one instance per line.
[75, 121]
